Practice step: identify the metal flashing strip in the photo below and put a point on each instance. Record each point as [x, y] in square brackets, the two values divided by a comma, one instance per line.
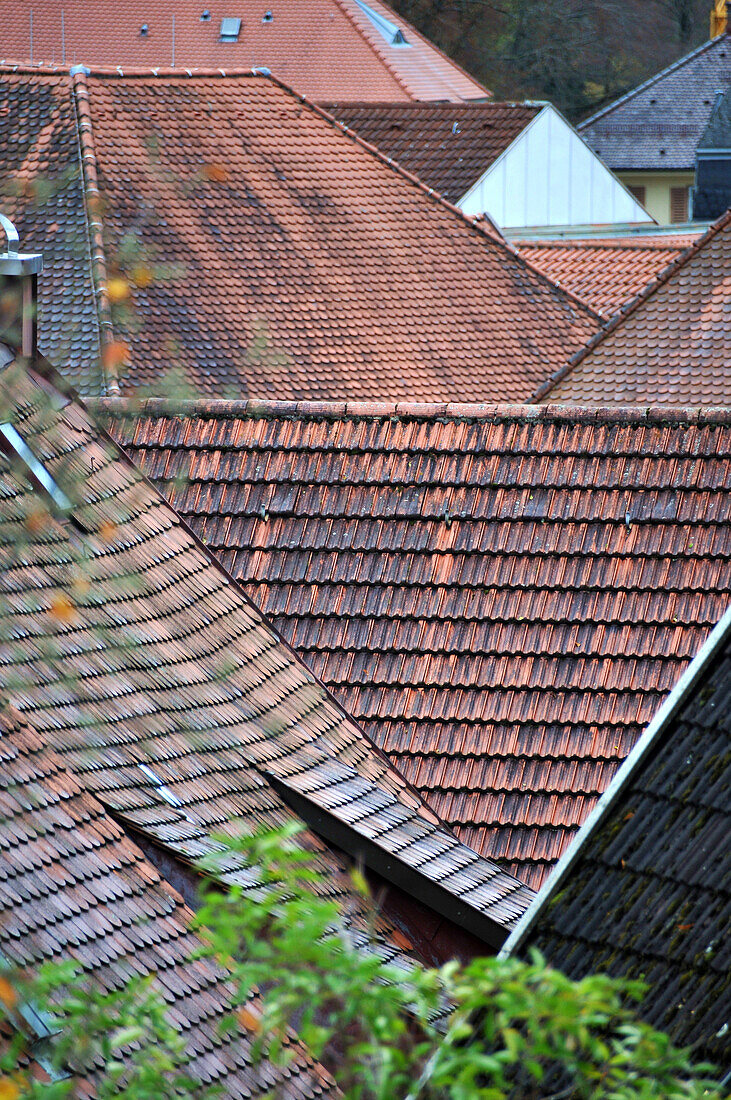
[389, 866]
[39, 474]
[668, 710]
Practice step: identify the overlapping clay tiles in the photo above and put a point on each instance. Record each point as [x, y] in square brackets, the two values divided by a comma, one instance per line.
[670, 344]
[646, 891]
[41, 191]
[604, 272]
[73, 886]
[172, 699]
[500, 596]
[272, 253]
[324, 48]
[446, 145]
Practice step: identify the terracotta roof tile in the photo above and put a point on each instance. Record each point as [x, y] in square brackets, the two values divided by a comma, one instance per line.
[305, 266]
[669, 345]
[658, 125]
[325, 48]
[604, 273]
[72, 885]
[447, 145]
[140, 665]
[501, 596]
[644, 894]
[41, 191]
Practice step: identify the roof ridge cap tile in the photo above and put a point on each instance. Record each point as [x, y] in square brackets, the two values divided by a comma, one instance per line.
[220, 408]
[649, 82]
[423, 39]
[660, 279]
[93, 213]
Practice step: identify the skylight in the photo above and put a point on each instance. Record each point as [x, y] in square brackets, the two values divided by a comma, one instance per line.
[230, 30]
[17, 446]
[388, 30]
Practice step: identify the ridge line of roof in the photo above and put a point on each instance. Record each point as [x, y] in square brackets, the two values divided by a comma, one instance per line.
[93, 215]
[625, 311]
[431, 45]
[434, 104]
[367, 39]
[227, 409]
[475, 222]
[650, 81]
[667, 711]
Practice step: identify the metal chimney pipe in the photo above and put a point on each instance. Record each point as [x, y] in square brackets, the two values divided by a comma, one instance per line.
[19, 294]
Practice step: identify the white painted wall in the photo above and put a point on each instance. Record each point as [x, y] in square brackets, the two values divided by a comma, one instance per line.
[549, 176]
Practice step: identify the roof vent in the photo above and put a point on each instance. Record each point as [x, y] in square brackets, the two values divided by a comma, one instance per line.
[144, 30]
[230, 30]
[385, 27]
[268, 17]
[206, 16]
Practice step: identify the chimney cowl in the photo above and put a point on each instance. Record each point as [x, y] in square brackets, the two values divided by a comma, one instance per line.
[13, 262]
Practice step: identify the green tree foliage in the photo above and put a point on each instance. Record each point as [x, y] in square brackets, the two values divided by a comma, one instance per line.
[489, 1030]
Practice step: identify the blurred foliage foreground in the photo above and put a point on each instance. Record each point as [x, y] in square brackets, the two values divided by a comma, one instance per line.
[487, 1030]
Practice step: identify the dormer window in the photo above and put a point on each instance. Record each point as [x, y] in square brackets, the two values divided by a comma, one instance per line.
[230, 30]
[388, 30]
[13, 444]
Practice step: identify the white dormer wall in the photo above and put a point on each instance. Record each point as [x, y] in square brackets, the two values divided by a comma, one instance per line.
[550, 176]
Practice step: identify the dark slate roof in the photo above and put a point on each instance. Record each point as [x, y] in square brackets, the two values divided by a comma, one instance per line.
[501, 595]
[41, 191]
[670, 344]
[73, 885]
[447, 145]
[657, 126]
[281, 255]
[173, 667]
[717, 134]
[646, 889]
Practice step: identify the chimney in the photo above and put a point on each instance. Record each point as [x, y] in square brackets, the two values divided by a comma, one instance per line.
[18, 294]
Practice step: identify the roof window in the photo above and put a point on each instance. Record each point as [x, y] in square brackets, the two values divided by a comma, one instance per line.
[13, 444]
[230, 30]
[388, 30]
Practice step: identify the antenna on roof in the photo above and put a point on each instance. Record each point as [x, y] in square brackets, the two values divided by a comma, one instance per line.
[63, 40]
[31, 36]
[173, 58]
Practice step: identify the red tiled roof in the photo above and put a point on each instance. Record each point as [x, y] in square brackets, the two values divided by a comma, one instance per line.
[300, 264]
[325, 48]
[671, 344]
[447, 145]
[72, 885]
[165, 664]
[604, 273]
[500, 595]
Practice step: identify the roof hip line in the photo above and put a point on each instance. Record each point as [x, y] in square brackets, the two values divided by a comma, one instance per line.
[633, 304]
[92, 208]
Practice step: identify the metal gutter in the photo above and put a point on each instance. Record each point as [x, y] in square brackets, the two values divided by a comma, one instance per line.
[667, 712]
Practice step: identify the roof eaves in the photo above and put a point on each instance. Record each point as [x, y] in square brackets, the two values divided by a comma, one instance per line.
[93, 210]
[648, 83]
[226, 409]
[654, 732]
[633, 304]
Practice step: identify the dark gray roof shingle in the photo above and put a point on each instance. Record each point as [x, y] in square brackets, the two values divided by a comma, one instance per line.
[646, 892]
[657, 126]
